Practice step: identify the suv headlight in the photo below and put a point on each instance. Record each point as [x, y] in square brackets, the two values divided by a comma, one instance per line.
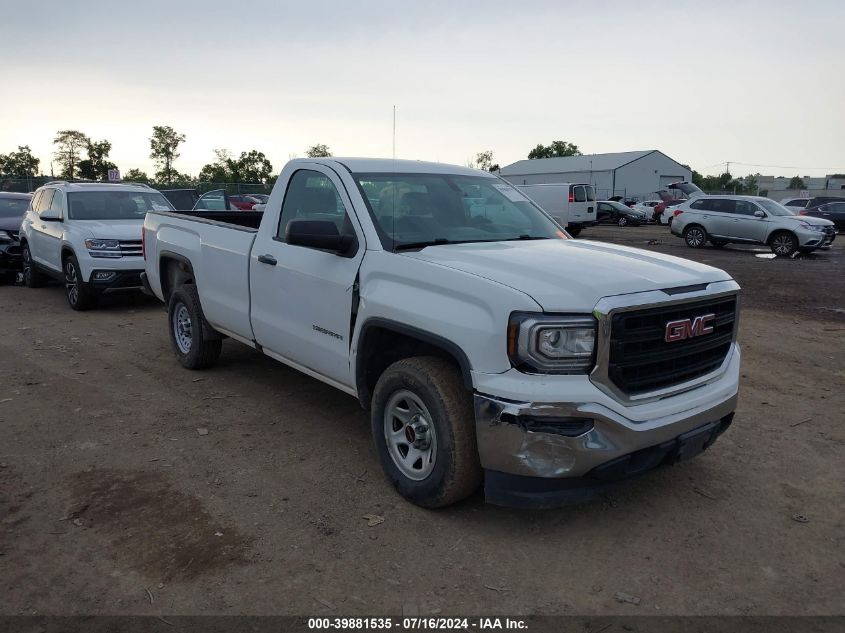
[552, 343]
[103, 248]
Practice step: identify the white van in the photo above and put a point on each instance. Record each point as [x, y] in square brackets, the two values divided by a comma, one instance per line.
[573, 205]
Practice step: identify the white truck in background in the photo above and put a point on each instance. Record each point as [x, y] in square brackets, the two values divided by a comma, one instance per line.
[572, 205]
[487, 345]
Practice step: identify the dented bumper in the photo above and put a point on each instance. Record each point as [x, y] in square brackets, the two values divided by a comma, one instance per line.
[548, 454]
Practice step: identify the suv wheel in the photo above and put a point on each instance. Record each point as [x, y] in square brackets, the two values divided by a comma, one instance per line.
[695, 236]
[783, 244]
[79, 294]
[423, 427]
[622, 221]
[192, 338]
[32, 278]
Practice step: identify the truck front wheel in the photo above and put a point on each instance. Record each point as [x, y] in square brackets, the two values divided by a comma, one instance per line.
[189, 333]
[424, 431]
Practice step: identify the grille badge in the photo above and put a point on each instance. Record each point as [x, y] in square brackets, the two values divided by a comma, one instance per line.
[688, 328]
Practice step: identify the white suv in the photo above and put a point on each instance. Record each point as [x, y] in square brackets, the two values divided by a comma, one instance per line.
[751, 220]
[87, 235]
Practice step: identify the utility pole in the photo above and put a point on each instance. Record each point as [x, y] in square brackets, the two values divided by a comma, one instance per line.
[394, 132]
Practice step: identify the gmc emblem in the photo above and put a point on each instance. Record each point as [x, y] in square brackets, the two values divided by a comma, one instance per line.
[688, 328]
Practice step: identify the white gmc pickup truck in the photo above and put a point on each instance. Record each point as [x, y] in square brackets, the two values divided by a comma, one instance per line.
[487, 344]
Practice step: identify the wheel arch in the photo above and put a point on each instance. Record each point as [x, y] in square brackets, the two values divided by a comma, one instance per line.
[174, 271]
[382, 342]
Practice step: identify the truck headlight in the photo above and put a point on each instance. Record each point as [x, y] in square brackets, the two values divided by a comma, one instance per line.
[103, 248]
[552, 343]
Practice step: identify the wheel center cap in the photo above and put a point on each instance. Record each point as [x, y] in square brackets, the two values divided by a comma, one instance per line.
[417, 434]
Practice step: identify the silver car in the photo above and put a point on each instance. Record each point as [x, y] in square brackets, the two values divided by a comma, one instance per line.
[749, 220]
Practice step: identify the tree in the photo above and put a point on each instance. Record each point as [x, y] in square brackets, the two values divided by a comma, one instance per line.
[750, 184]
[164, 144]
[20, 164]
[136, 175]
[483, 160]
[557, 148]
[797, 183]
[318, 151]
[251, 166]
[70, 143]
[96, 167]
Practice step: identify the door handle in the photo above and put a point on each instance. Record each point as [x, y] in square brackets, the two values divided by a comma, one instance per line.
[267, 259]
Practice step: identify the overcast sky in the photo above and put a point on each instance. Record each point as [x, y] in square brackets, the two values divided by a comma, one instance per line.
[705, 82]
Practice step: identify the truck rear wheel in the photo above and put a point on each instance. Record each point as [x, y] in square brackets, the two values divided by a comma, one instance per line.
[189, 331]
[423, 427]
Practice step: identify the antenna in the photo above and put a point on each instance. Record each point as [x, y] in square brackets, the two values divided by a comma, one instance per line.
[394, 132]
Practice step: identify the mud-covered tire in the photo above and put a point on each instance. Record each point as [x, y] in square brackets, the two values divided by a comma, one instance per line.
[455, 471]
[79, 295]
[32, 278]
[783, 244]
[695, 236]
[194, 342]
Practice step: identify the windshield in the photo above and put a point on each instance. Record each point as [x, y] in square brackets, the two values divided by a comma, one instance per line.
[115, 205]
[419, 209]
[775, 208]
[13, 207]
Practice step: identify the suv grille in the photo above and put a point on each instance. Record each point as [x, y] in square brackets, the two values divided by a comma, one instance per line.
[642, 361]
[130, 248]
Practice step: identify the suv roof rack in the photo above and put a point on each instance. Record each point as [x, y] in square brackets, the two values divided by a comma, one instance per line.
[97, 182]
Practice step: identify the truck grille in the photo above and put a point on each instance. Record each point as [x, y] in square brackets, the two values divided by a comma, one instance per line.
[642, 361]
[130, 248]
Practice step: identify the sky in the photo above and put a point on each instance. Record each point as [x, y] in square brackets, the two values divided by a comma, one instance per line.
[754, 83]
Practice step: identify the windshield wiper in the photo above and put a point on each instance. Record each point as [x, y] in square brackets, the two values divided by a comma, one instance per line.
[411, 245]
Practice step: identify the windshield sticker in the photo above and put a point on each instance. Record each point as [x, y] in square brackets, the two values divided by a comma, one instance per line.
[509, 192]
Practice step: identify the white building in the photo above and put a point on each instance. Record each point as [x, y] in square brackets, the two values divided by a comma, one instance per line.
[631, 174]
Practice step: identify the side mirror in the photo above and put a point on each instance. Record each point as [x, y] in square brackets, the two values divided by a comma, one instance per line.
[50, 215]
[321, 234]
[759, 214]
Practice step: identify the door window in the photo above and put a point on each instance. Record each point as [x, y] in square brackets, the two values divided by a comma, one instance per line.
[743, 207]
[580, 194]
[721, 205]
[58, 204]
[591, 194]
[312, 196]
[45, 201]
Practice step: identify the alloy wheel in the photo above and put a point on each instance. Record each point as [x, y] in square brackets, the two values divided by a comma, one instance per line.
[71, 283]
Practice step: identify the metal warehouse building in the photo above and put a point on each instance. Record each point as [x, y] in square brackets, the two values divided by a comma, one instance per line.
[634, 174]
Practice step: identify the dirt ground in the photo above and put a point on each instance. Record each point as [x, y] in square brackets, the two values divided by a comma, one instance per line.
[129, 485]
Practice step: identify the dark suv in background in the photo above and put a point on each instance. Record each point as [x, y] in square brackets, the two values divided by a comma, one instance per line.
[13, 206]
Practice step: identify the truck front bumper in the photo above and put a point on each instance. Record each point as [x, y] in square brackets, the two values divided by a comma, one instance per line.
[548, 454]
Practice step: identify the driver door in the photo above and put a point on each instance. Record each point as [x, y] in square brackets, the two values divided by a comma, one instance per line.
[302, 297]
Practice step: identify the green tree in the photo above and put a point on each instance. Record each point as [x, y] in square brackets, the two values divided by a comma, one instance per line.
[797, 183]
[70, 143]
[136, 175]
[750, 184]
[483, 160]
[318, 151]
[20, 164]
[253, 166]
[221, 170]
[164, 144]
[97, 165]
[557, 148]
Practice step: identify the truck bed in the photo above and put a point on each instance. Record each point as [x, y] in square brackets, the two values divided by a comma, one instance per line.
[246, 219]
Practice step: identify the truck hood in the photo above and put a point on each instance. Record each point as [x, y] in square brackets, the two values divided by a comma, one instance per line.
[570, 275]
[112, 229]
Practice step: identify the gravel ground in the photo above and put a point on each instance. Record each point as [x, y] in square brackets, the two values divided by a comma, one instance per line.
[129, 485]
